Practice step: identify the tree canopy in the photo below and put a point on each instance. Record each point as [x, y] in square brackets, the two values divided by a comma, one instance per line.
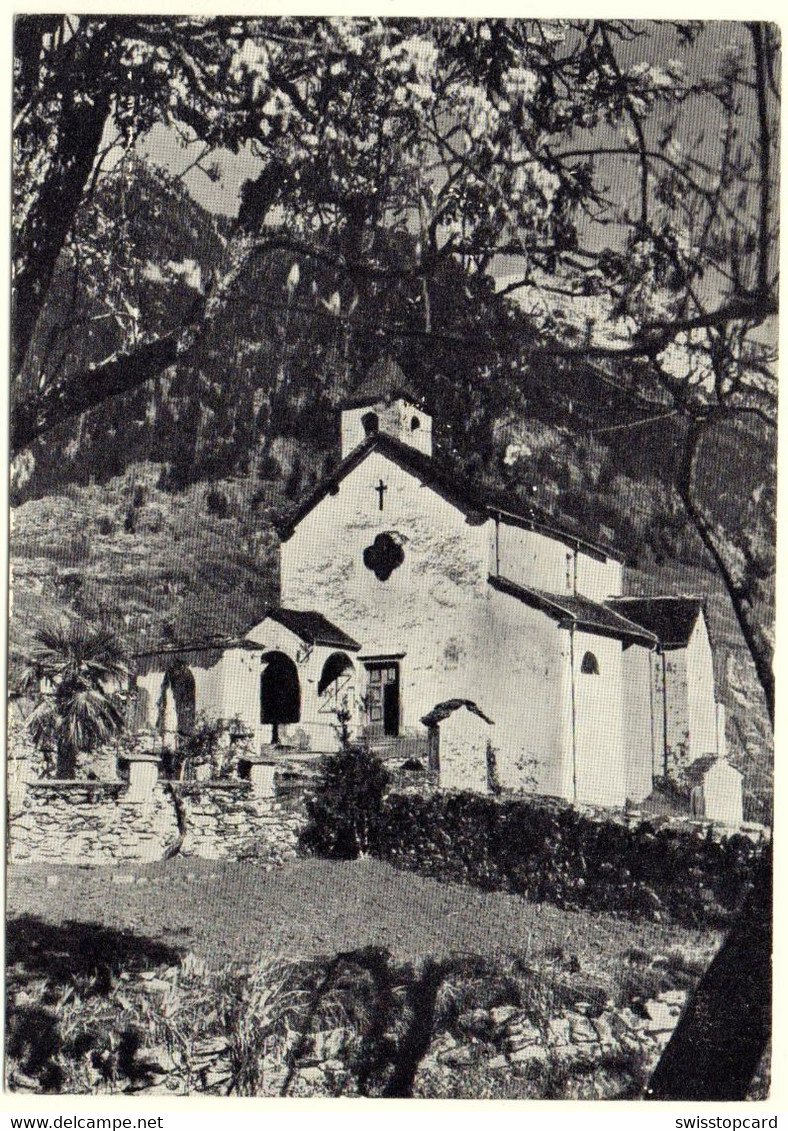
[617, 178]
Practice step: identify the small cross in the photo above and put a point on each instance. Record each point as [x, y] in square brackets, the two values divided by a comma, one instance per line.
[381, 487]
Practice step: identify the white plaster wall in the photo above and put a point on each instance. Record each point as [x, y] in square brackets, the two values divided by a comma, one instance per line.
[433, 606]
[600, 753]
[419, 438]
[240, 691]
[677, 711]
[208, 690]
[701, 708]
[463, 751]
[657, 713]
[638, 724]
[722, 794]
[531, 558]
[207, 695]
[523, 687]
[232, 688]
[151, 684]
[598, 580]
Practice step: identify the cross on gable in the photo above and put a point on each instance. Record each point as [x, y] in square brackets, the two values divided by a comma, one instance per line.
[381, 488]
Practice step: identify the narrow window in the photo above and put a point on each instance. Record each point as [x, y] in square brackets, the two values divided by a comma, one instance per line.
[589, 665]
[370, 423]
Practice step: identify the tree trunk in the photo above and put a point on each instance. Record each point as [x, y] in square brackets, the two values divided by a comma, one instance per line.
[747, 618]
[66, 764]
[719, 1042]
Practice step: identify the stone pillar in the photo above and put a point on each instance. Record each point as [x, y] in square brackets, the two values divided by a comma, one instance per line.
[143, 776]
[262, 777]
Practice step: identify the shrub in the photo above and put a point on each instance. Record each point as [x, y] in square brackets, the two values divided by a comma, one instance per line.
[555, 854]
[217, 504]
[105, 525]
[269, 467]
[345, 810]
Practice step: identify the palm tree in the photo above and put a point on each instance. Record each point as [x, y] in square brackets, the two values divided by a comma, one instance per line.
[74, 671]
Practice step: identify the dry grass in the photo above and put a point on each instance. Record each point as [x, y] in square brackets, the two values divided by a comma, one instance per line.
[222, 977]
[228, 911]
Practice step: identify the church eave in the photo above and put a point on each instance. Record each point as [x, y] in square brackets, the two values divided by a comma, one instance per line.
[476, 508]
[596, 550]
[412, 461]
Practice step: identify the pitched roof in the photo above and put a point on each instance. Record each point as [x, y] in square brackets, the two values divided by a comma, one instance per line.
[575, 611]
[477, 504]
[701, 766]
[313, 628]
[442, 711]
[385, 382]
[200, 653]
[670, 619]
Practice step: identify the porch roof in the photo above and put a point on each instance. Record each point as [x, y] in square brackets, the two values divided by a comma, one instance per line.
[200, 653]
[314, 628]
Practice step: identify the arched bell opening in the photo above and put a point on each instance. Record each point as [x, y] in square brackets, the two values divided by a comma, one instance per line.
[370, 422]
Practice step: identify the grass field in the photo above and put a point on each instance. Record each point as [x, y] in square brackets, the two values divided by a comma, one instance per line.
[221, 976]
[227, 911]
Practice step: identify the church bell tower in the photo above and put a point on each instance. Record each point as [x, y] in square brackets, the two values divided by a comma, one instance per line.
[384, 403]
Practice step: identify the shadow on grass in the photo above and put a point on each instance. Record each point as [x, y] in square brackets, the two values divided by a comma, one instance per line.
[45, 965]
[69, 950]
[396, 1010]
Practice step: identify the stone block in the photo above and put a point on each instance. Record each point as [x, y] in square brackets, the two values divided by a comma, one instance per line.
[558, 1032]
[661, 1018]
[532, 1054]
[522, 1034]
[498, 1063]
[500, 1014]
[604, 1031]
[262, 778]
[581, 1030]
[674, 998]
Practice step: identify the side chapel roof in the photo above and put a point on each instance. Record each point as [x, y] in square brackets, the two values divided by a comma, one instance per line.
[576, 611]
[197, 653]
[671, 619]
[313, 628]
[478, 505]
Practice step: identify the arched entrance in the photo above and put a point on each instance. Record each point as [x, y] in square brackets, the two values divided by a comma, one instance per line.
[280, 692]
[336, 689]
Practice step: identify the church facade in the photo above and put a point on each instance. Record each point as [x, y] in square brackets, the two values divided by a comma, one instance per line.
[403, 589]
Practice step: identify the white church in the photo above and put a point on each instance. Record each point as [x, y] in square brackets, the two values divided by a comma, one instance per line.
[453, 629]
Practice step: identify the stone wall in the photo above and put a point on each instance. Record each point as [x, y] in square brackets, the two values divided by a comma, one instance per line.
[227, 819]
[57, 822]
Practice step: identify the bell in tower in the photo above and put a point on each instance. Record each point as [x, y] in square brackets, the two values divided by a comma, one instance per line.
[382, 402]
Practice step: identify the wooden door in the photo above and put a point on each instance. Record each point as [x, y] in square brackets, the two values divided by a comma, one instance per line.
[383, 699]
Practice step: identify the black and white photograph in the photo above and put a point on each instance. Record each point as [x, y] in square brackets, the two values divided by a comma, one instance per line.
[392, 433]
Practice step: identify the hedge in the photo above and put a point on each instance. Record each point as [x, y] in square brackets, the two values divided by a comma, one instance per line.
[558, 855]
